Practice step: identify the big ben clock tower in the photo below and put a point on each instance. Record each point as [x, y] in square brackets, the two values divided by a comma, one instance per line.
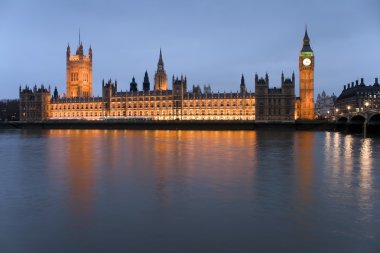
[306, 73]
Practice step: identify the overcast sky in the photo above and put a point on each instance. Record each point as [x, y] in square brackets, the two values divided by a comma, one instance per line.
[211, 41]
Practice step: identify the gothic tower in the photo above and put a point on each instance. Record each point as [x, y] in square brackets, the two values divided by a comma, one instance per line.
[306, 73]
[160, 79]
[79, 72]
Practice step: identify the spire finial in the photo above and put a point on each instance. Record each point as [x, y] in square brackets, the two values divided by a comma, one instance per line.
[79, 38]
[306, 37]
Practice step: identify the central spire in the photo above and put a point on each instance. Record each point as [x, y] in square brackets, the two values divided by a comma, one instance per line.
[160, 79]
[160, 61]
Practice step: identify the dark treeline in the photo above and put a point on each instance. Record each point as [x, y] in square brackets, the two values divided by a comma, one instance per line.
[9, 110]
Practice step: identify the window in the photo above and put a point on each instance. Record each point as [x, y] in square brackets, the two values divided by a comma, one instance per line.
[74, 76]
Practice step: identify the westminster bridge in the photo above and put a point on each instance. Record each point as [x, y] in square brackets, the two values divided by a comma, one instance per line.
[358, 121]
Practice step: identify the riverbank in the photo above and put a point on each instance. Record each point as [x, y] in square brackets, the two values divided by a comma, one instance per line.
[170, 125]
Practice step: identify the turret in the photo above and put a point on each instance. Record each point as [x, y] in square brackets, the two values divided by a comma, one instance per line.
[80, 50]
[179, 86]
[376, 82]
[146, 83]
[90, 53]
[282, 77]
[242, 85]
[68, 52]
[55, 95]
[133, 85]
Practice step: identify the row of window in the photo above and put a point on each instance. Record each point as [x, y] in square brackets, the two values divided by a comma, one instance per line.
[147, 113]
[168, 98]
[134, 105]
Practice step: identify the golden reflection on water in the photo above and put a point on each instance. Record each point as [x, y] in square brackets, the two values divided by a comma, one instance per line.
[304, 161]
[169, 163]
[182, 157]
[174, 159]
[75, 154]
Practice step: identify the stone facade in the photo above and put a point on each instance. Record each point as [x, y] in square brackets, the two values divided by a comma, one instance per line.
[274, 104]
[357, 97]
[155, 105]
[34, 103]
[325, 105]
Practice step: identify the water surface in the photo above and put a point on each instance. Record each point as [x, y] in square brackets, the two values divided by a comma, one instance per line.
[188, 191]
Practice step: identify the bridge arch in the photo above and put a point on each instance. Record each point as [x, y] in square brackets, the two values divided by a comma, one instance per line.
[374, 119]
[374, 124]
[357, 119]
[342, 119]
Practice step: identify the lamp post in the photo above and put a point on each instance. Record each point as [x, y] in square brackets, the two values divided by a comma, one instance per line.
[348, 108]
[366, 105]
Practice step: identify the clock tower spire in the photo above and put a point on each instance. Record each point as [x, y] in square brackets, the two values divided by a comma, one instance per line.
[306, 74]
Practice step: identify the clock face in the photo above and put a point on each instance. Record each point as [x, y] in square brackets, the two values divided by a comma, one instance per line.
[306, 61]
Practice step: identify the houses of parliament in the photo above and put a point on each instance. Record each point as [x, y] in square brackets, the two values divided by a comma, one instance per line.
[275, 104]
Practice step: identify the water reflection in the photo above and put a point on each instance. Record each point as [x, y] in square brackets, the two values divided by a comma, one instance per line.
[365, 181]
[119, 189]
[350, 160]
[171, 159]
[304, 159]
[179, 158]
[348, 155]
[305, 170]
[72, 152]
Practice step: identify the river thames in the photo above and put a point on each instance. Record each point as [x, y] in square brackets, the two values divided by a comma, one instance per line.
[188, 191]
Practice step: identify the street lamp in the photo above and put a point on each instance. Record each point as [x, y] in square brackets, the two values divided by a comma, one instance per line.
[348, 108]
[366, 105]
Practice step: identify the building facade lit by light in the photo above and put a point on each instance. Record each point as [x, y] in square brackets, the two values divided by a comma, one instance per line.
[267, 105]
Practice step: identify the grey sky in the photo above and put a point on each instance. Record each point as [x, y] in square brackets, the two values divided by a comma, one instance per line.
[212, 42]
